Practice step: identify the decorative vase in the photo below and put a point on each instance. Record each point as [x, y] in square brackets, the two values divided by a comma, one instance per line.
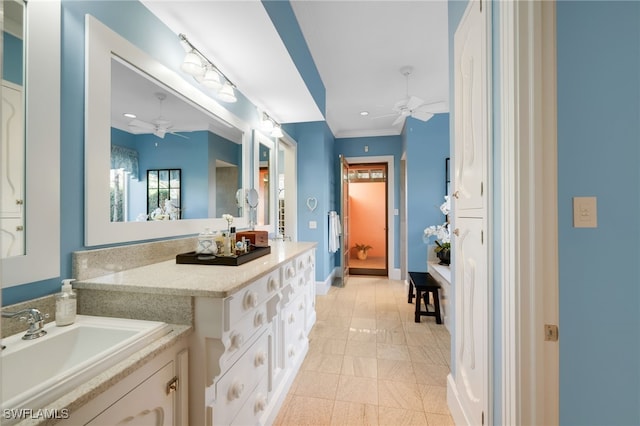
[444, 256]
[362, 255]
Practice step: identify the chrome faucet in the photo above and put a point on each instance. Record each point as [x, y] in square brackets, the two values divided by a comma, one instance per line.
[35, 319]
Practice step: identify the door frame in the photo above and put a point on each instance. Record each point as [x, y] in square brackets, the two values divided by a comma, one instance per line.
[394, 273]
[290, 181]
[529, 242]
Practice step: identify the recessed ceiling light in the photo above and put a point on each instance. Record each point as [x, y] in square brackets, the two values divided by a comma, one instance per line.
[129, 115]
[364, 113]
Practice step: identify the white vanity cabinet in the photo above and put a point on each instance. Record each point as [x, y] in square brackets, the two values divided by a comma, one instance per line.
[156, 393]
[248, 347]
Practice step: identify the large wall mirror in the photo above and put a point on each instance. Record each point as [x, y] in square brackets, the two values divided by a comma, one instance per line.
[154, 120]
[30, 182]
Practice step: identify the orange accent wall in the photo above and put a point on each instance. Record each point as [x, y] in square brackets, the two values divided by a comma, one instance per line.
[367, 216]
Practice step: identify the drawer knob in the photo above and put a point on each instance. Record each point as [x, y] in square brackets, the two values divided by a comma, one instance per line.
[301, 306]
[251, 300]
[235, 390]
[292, 318]
[261, 357]
[236, 341]
[290, 272]
[259, 319]
[301, 336]
[261, 403]
[292, 352]
[272, 285]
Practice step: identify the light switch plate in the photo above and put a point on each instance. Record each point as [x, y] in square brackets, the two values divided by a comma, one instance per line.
[585, 212]
[313, 224]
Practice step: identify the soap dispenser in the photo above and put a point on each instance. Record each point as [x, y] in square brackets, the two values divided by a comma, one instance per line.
[206, 243]
[66, 304]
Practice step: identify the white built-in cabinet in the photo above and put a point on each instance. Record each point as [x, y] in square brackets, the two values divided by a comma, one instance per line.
[155, 394]
[468, 386]
[247, 348]
[12, 171]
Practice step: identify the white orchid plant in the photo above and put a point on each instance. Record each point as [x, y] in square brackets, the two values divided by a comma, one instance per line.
[441, 232]
[229, 220]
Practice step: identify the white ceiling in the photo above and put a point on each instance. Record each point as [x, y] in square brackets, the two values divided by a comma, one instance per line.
[358, 47]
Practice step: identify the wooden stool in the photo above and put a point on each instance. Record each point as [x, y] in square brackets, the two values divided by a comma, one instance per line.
[423, 282]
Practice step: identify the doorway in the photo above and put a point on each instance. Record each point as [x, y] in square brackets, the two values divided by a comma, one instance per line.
[367, 221]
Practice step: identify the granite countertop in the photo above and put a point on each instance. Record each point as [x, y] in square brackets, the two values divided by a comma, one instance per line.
[170, 278]
[101, 382]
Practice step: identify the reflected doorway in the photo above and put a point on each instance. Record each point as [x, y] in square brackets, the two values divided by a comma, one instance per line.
[367, 221]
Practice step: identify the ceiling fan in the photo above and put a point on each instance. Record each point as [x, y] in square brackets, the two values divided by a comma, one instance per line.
[159, 126]
[412, 106]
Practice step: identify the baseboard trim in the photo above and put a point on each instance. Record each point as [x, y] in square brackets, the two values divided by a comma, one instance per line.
[453, 401]
[322, 287]
[395, 274]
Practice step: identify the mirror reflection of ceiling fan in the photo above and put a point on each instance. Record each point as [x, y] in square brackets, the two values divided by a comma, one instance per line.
[412, 106]
[159, 126]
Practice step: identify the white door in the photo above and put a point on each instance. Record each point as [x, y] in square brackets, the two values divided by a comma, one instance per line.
[471, 319]
[470, 76]
[471, 135]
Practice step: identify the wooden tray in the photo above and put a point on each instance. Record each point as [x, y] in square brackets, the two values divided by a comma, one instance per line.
[209, 259]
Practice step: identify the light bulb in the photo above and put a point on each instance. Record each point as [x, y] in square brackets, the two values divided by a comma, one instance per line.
[276, 132]
[192, 64]
[211, 79]
[227, 94]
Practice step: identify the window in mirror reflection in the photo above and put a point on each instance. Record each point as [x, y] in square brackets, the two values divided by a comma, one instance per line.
[12, 202]
[164, 194]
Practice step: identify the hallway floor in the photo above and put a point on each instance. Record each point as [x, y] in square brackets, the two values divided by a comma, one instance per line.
[369, 363]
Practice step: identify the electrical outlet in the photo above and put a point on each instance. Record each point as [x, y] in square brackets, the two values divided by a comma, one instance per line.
[313, 224]
[585, 212]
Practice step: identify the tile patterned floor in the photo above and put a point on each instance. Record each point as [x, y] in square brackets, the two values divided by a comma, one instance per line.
[369, 363]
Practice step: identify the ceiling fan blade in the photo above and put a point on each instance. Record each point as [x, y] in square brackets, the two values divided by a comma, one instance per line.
[414, 103]
[160, 132]
[433, 107]
[398, 120]
[178, 134]
[393, 114]
[422, 115]
[142, 124]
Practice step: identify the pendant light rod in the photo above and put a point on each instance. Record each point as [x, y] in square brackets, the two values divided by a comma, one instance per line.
[184, 39]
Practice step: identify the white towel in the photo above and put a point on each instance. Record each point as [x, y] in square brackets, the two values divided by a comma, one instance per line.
[335, 230]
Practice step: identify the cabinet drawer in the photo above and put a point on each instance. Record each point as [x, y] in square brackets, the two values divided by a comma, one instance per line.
[237, 385]
[294, 326]
[248, 299]
[305, 260]
[236, 340]
[289, 271]
[254, 407]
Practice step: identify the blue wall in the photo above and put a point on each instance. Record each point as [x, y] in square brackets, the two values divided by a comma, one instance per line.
[598, 154]
[12, 69]
[316, 178]
[427, 147]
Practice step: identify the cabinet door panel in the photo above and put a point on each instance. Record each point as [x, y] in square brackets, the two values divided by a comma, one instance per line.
[470, 128]
[471, 317]
[148, 404]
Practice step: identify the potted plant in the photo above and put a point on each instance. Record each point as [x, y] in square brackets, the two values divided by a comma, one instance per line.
[362, 250]
[442, 234]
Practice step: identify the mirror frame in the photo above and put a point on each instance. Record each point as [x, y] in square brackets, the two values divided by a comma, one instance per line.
[260, 138]
[100, 44]
[42, 154]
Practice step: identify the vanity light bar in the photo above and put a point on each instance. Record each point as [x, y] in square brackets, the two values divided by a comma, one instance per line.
[270, 125]
[193, 64]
